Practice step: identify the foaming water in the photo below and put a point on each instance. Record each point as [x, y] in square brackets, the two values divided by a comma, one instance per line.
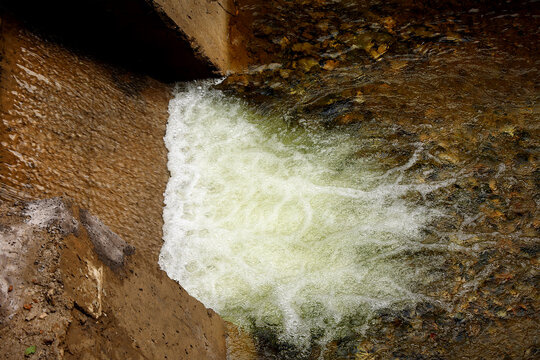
[278, 227]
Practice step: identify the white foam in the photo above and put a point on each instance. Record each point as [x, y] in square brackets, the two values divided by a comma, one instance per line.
[276, 226]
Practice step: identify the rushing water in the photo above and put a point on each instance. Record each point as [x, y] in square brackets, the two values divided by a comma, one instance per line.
[371, 190]
[378, 184]
[277, 227]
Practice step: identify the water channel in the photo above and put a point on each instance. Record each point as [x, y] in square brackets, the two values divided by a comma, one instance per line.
[372, 191]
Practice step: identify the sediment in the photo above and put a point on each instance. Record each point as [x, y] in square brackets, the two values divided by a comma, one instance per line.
[74, 289]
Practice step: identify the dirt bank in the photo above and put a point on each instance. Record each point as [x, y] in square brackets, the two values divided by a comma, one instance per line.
[74, 126]
[71, 288]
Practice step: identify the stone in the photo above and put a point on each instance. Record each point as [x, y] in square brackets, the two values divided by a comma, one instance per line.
[307, 64]
[110, 248]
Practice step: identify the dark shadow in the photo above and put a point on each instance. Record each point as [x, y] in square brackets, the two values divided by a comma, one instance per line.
[131, 34]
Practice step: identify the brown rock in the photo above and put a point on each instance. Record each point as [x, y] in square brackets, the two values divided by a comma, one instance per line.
[330, 65]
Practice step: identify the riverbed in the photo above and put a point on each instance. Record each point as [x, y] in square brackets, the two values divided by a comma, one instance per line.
[371, 190]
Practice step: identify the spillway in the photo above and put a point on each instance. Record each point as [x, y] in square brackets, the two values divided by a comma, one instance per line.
[280, 227]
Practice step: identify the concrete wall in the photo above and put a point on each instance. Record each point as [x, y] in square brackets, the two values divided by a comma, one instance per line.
[213, 27]
[206, 23]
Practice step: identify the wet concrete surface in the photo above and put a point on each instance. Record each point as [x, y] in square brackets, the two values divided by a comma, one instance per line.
[75, 127]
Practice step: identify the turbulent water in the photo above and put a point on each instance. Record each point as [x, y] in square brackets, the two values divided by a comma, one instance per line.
[279, 228]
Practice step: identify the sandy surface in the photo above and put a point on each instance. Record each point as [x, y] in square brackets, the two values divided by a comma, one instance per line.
[74, 292]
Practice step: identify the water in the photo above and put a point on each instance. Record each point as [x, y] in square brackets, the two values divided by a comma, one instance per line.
[278, 227]
[375, 192]
[424, 111]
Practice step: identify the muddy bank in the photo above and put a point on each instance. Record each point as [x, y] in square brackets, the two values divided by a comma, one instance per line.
[70, 288]
[74, 126]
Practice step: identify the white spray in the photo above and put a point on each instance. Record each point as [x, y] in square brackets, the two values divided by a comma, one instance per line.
[278, 227]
